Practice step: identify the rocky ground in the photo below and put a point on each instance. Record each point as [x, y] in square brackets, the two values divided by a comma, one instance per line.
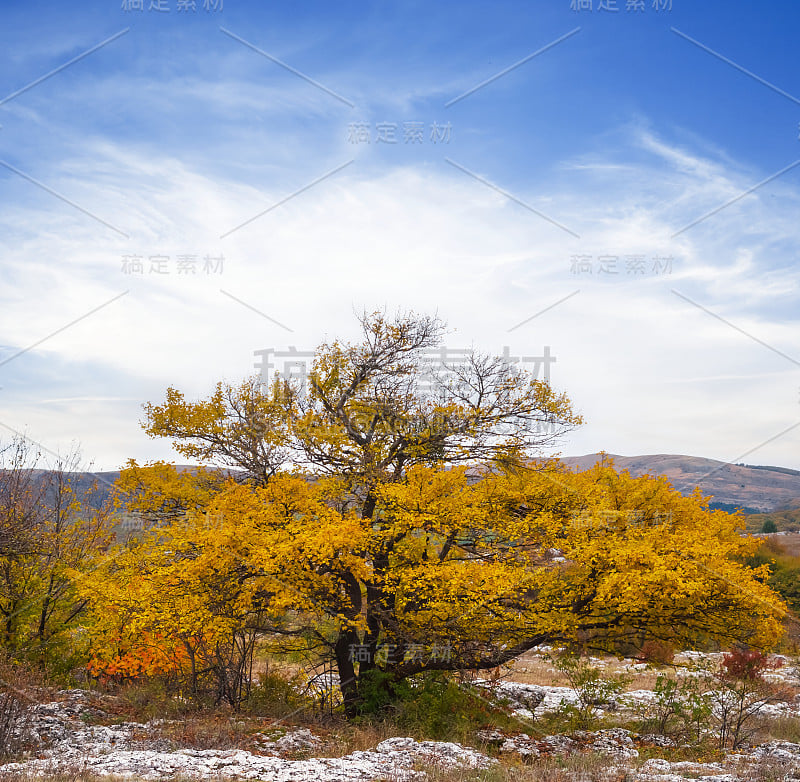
[77, 731]
[63, 741]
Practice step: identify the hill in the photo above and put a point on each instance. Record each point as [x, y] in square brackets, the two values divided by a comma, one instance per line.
[762, 491]
[753, 488]
[785, 520]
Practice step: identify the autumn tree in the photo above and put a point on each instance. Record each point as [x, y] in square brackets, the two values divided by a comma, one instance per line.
[52, 527]
[416, 530]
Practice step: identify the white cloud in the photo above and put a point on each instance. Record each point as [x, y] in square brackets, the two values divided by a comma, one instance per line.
[651, 372]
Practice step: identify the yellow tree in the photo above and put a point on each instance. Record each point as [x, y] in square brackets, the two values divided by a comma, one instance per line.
[417, 532]
[448, 573]
[52, 526]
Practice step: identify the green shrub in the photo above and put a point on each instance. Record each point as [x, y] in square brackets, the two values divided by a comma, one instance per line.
[433, 705]
[275, 693]
[680, 709]
[590, 687]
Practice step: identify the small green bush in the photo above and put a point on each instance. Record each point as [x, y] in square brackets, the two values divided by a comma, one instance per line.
[274, 694]
[680, 709]
[433, 705]
[590, 687]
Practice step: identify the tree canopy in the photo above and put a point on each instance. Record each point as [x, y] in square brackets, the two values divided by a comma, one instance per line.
[397, 531]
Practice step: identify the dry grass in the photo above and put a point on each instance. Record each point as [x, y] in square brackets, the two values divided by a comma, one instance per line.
[211, 731]
[20, 689]
[778, 729]
[346, 739]
[789, 543]
[220, 729]
[533, 669]
[582, 769]
[588, 767]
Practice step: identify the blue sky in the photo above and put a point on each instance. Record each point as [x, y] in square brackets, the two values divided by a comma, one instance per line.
[596, 193]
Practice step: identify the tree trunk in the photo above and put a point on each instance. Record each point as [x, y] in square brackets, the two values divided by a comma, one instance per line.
[345, 643]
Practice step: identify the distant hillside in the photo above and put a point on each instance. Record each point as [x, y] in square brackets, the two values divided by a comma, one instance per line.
[752, 488]
[784, 520]
[97, 486]
[785, 470]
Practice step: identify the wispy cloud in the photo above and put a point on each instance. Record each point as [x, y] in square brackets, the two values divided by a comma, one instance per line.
[175, 134]
[431, 240]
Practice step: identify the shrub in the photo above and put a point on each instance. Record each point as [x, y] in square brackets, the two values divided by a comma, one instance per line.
[150, 698]
[274, 694]
[590, 688]
[657, 652]
[740, 693]
[433, 705]
[15, 707]
[745, 664]
[680, 709]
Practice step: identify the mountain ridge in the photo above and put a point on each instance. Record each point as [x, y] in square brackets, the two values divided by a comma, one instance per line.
[752, 488]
